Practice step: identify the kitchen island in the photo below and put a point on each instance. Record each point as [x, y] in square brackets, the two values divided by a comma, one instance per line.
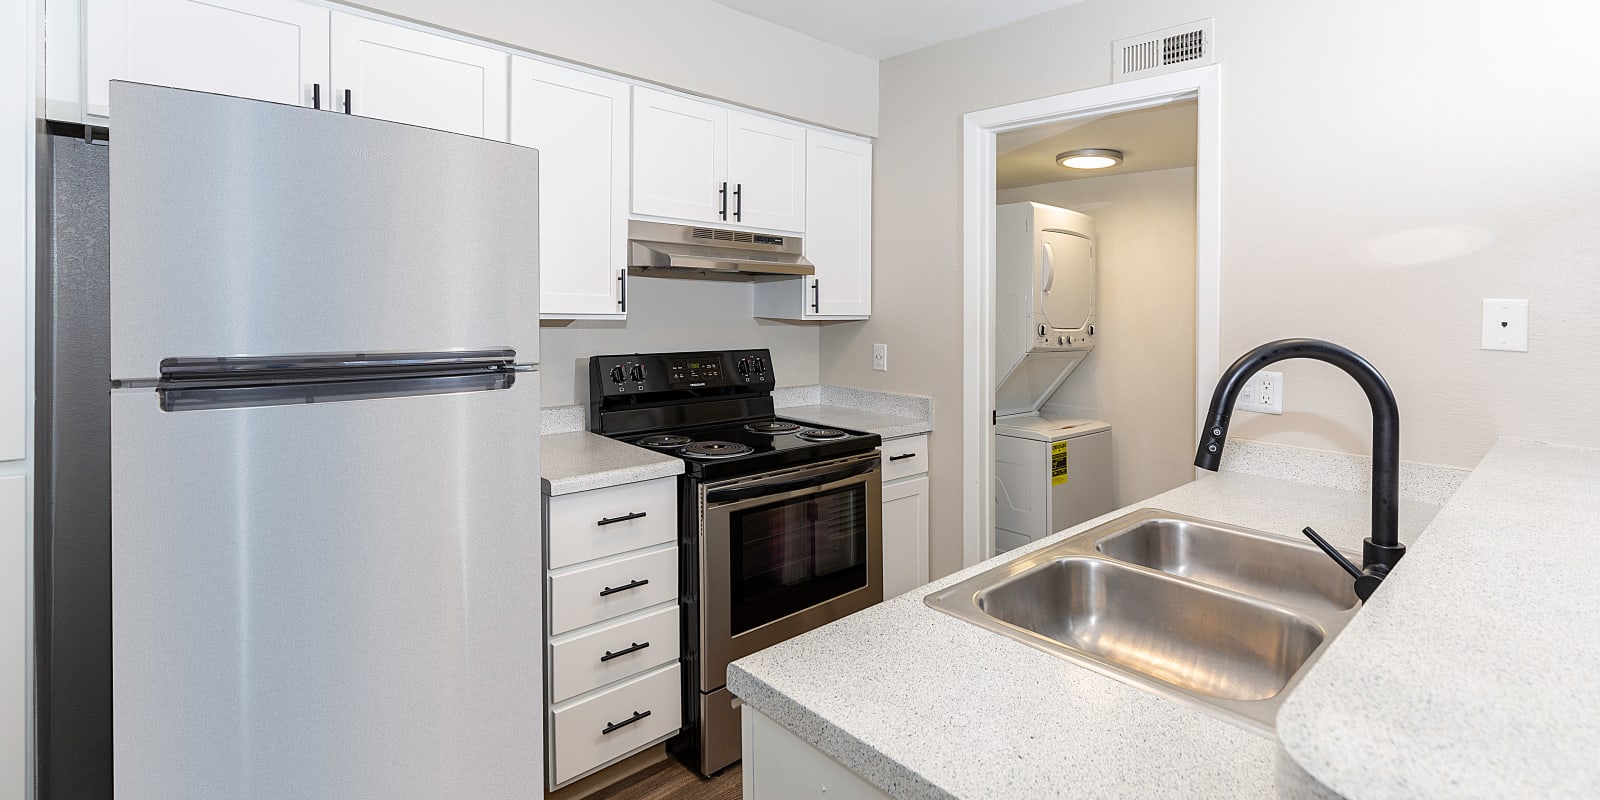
[922, 704]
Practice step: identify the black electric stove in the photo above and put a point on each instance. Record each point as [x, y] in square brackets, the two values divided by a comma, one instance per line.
[779, 521]
[713, 409]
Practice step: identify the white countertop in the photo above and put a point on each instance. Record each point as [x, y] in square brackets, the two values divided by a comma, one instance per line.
[1475, 669]
[578, 461]
[926, 705]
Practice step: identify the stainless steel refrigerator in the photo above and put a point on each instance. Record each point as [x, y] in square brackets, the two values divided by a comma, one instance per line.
[325, 547]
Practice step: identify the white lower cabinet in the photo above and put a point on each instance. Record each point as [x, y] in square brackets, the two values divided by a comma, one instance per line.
[613, 683]
[780, 766]
[905, 514]
[616, 722]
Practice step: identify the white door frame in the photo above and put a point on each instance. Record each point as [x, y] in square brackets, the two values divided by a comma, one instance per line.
[979, 130]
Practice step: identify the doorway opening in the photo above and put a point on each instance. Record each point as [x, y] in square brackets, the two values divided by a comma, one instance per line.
[1146, 371]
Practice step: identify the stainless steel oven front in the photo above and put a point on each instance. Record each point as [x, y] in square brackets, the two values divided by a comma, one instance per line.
[780, 553]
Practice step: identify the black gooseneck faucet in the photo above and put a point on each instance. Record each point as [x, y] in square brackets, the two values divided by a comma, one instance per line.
[1382, 550]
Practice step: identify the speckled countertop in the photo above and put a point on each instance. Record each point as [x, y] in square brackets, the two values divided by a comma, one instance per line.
[578, 461]
[926, 705]
[885, 425]
[1475, 670]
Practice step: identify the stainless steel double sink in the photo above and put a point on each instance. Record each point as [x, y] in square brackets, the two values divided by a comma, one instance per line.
[1215, 615]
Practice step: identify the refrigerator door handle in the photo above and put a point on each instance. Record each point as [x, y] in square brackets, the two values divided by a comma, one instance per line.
[199, 384]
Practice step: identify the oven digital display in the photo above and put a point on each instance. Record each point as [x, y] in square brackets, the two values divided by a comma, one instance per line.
[698, 369]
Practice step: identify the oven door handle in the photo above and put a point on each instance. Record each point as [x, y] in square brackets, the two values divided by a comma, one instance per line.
[733, 493]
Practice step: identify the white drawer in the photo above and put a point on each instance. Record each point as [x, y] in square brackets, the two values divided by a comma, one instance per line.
[613, 651]
[907, 455]
[589, 594]
[579, 730]
[616, 519]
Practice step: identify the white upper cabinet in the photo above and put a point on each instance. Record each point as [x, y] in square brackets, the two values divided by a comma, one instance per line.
[702, 162]
[406, 75]
[838, 236]
[273, 50]
[680, 157]
[767, 170]
[579, 123]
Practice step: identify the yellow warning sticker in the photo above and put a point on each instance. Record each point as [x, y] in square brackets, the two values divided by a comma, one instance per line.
[1058, 463]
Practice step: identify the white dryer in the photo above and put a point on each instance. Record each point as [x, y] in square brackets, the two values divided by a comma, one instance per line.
[1050, 473]
[1044, 301]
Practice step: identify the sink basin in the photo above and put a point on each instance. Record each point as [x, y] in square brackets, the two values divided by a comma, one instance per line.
[1260, 565]
[1221, 617]
[1210, 642]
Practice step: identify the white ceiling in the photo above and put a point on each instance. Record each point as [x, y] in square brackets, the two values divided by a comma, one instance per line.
[1162, 137]
[886, 28]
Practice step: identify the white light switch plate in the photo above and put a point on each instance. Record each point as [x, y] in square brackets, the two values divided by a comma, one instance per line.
[1505, 325]
[1263, 394]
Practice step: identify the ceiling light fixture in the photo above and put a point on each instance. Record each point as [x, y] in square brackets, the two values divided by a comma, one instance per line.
[1089, 158]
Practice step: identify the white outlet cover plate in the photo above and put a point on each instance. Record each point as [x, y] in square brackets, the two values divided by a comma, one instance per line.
[1505, 325]
[1263, 394]
[880, 357]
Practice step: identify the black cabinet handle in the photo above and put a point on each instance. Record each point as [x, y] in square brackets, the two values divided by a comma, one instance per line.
[738, 201]
[622, 290]
[611, 726]
[623, 518]
[816, 295]
[626, 650]
[634, 585]
[902, 456]
[722, 195]
[316, 96]
[347, 101]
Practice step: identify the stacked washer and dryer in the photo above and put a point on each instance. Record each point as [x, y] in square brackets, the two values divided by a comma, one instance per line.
[1050, 472]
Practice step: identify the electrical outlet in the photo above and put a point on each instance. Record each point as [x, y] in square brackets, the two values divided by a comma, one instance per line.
[880, 357]
[1263, 394]
[1505, 325]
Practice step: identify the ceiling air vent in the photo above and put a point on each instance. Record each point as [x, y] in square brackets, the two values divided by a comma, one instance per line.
[724, 236]
[1158, 53]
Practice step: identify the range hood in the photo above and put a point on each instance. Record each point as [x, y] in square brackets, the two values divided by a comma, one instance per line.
[667, 250]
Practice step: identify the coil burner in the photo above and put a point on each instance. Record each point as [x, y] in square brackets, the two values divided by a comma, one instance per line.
[772, 426]
[821, 434]
[664, 441]
[715, 449]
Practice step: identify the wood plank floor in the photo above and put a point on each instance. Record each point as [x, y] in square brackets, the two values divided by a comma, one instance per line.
[670, 780]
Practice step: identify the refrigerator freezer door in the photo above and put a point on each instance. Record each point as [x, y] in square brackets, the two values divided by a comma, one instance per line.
[240, 227]
[328, 600]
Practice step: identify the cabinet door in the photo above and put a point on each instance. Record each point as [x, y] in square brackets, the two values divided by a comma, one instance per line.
[579, 123]
[262, 49]
[838, 237]
[680, 154]
[766, 172]
[905, 535]
[418, 78]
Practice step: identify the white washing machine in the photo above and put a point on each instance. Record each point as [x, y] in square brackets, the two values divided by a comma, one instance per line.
[1050, 473]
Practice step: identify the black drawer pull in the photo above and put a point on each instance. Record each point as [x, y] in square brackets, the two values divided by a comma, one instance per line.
[610, 655]
[611, 726]
[636, 584]
[902, 456]
[623, 518]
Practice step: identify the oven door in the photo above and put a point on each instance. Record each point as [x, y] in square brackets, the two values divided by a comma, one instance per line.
[786, 552]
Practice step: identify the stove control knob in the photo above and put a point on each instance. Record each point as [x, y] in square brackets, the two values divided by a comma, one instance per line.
[638, 373]
[760, 364]
[744, 367]
[618, 374]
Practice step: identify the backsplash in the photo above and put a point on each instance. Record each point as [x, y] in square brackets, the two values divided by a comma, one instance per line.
[673, 315]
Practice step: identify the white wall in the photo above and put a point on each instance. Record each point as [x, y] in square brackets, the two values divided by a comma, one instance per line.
[694, 45]
[669, 315]
[1140, 375]
[18, 108]
[1367, 198]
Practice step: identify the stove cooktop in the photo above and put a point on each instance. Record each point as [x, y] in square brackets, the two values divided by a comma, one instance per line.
[741, 448]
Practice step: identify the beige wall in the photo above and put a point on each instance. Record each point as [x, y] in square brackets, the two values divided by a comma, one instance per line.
[1140, 375]
[694, 45]
[672, 314]
[1367, 198]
